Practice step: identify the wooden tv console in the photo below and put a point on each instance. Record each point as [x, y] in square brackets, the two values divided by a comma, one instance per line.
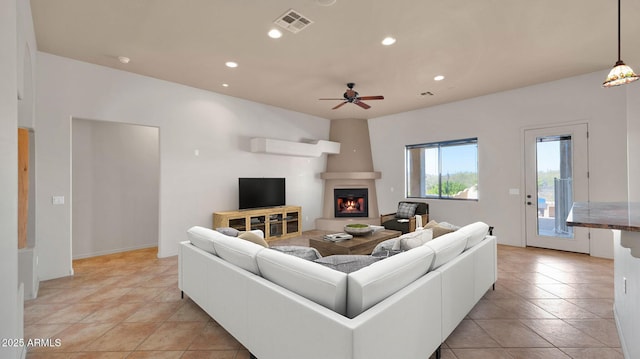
[276, 222]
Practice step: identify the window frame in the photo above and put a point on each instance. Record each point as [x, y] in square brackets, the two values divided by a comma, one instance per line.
[438, 145]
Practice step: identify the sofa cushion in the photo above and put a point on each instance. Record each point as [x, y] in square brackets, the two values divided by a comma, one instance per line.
[406, 210]
[476, 232]
[347, 263]
[423, 208]
[313, 281]
[447, 247]
[395, 225]
[238, 252]
[373, 283]
[203, 238]
[253, 238]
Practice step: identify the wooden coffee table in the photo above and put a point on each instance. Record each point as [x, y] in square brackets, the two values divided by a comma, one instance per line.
[357, 245]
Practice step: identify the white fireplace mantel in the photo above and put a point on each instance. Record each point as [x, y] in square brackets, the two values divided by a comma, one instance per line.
[289, 148]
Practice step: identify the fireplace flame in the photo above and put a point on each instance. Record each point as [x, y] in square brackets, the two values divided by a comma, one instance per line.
[350, 205]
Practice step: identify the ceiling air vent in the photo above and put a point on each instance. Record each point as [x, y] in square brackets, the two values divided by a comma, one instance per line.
[293, 21]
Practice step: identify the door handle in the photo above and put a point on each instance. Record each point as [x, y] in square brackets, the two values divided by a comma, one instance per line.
[528, 196]
[529, 203]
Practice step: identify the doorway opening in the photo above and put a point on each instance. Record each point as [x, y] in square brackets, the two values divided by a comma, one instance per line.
[115, 195]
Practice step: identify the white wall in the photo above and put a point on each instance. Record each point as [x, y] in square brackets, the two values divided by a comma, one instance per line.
[498, 120]
[26, 48]
[627, 311]
[633, 140]
[116, 187]
[17, 40]
[626, 266]
[9, 327]
[191, 187]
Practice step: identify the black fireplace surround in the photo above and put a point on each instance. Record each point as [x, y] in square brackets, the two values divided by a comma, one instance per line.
[351, 202]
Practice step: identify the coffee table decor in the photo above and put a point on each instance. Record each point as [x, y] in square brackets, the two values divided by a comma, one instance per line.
[356, 245]
[358, 229]
[337, 237]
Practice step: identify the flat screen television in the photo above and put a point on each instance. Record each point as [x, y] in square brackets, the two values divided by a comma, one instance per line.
[261, 192]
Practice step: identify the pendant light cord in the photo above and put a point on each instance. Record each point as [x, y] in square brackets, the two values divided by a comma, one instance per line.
[619, 57]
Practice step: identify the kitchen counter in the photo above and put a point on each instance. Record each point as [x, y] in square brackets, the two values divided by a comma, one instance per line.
[624, 216]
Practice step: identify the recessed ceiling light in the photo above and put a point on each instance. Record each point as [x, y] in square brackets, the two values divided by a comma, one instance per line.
[225, 85]
[231, 64]
[439, 78]
[123, 59]
[388, 41]
[275, 34]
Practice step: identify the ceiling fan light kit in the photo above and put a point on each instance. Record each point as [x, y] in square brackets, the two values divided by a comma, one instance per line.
[620, 74]
[352, 96]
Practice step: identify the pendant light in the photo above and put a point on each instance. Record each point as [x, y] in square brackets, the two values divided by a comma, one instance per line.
[620, 74]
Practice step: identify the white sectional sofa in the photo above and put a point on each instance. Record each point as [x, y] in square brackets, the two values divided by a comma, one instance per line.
[280, 306]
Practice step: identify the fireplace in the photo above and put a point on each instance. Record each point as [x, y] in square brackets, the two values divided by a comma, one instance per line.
[351, 202]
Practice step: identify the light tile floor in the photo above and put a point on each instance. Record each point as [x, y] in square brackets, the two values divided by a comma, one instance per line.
[547, 304]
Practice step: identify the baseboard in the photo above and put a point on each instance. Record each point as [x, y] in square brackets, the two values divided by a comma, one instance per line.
[167, 253]
[36, 287]
[21, 351]
[623, 343]
[112, 251]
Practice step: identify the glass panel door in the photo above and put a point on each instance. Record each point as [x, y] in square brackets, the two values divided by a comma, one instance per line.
[556, 175]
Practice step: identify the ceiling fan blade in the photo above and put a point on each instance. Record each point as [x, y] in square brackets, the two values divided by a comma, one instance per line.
[363, 105]
[333, 99]
[341, 104]
[371, 98]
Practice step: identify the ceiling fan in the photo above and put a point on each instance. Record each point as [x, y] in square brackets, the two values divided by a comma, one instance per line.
[352, 96]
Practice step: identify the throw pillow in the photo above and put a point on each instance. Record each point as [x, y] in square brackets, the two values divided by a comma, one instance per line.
[449, 225]
[307, 253]
[231, 232]
[252, 237]
[406, 210]
[397, 246]
[382, 254]
[385, 248]
[347, 263]
[437, 229]
[414, 239]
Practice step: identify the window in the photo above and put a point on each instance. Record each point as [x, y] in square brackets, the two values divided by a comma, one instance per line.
[447, 170]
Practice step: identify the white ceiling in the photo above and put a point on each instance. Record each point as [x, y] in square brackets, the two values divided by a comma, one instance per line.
[481, 46]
